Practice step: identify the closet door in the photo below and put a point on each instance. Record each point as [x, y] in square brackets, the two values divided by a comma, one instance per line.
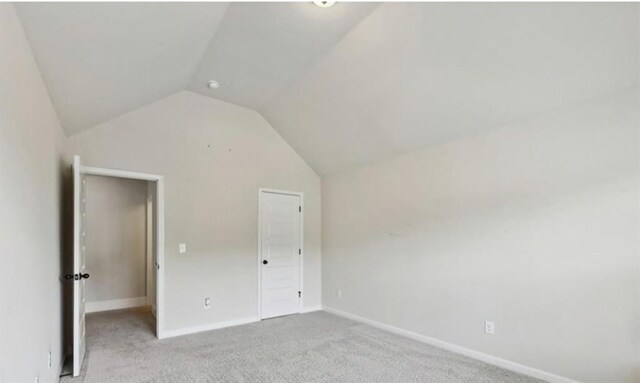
[280, 252]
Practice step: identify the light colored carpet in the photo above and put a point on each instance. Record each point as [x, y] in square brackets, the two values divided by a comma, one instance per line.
[314, 347]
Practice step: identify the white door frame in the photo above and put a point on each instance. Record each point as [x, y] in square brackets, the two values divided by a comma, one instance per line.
[301, 257]
[159, 232]
[150, 269]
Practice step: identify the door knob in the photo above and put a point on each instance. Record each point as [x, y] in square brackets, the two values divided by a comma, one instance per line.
[76, 277]
[265, 262]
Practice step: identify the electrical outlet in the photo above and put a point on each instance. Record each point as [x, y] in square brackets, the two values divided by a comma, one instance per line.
[339, 294]
[49, 360]
[489, 327]
[182, 248]
[207, 303]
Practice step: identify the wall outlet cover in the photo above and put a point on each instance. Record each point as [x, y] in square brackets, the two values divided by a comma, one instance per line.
[489, 327]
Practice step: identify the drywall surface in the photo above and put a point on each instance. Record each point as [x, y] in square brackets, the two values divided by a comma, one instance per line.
[417, 74]
[30, 237]
[533, 226]
[214, 157]
[116, 238]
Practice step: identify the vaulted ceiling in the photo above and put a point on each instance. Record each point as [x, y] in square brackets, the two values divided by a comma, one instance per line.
[100, 60]
[345, 85]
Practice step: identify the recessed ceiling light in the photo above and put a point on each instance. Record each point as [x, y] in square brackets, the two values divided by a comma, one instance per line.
[213, 84]
[324, 3]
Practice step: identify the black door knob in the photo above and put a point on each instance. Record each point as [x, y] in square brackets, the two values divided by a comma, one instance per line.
[265, 262]
[76, 277]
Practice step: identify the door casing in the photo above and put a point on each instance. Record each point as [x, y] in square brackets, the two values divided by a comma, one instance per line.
[158, 233]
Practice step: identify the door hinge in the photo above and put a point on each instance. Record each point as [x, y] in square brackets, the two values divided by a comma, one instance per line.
[300, 209]
[299, 251]
[299, 294]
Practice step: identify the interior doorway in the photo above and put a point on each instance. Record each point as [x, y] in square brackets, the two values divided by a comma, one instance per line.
[98, 213]
[119, 244]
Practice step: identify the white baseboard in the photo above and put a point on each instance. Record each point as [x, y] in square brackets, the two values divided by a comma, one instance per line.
[310, 309]
[114, 304]
[494, 360]
[207, 327]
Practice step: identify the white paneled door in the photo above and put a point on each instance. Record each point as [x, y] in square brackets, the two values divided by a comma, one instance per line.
[79, 276]
[280, 253]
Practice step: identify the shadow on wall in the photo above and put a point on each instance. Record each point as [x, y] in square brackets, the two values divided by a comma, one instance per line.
[66, 257]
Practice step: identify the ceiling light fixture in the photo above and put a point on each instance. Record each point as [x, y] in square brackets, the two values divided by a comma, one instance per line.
[212, 84]
[324, 3]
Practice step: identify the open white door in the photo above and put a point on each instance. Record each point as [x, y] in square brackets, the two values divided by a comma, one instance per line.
[79, 275]
[280, 253]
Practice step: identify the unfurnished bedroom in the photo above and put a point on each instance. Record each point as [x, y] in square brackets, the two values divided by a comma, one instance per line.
[319, 191]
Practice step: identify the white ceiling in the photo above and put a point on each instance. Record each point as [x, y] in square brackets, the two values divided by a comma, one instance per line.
[415, 74]
[100, 60]
[345, 85]
[260, 48]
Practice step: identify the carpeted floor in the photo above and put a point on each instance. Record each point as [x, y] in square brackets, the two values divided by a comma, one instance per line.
[314, 347]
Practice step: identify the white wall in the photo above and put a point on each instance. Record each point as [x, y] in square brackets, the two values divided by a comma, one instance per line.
[30, 235]
[214, 156]
[116, 238]
[534, 226]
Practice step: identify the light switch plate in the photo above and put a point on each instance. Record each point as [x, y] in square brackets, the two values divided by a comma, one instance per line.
[182, 248]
